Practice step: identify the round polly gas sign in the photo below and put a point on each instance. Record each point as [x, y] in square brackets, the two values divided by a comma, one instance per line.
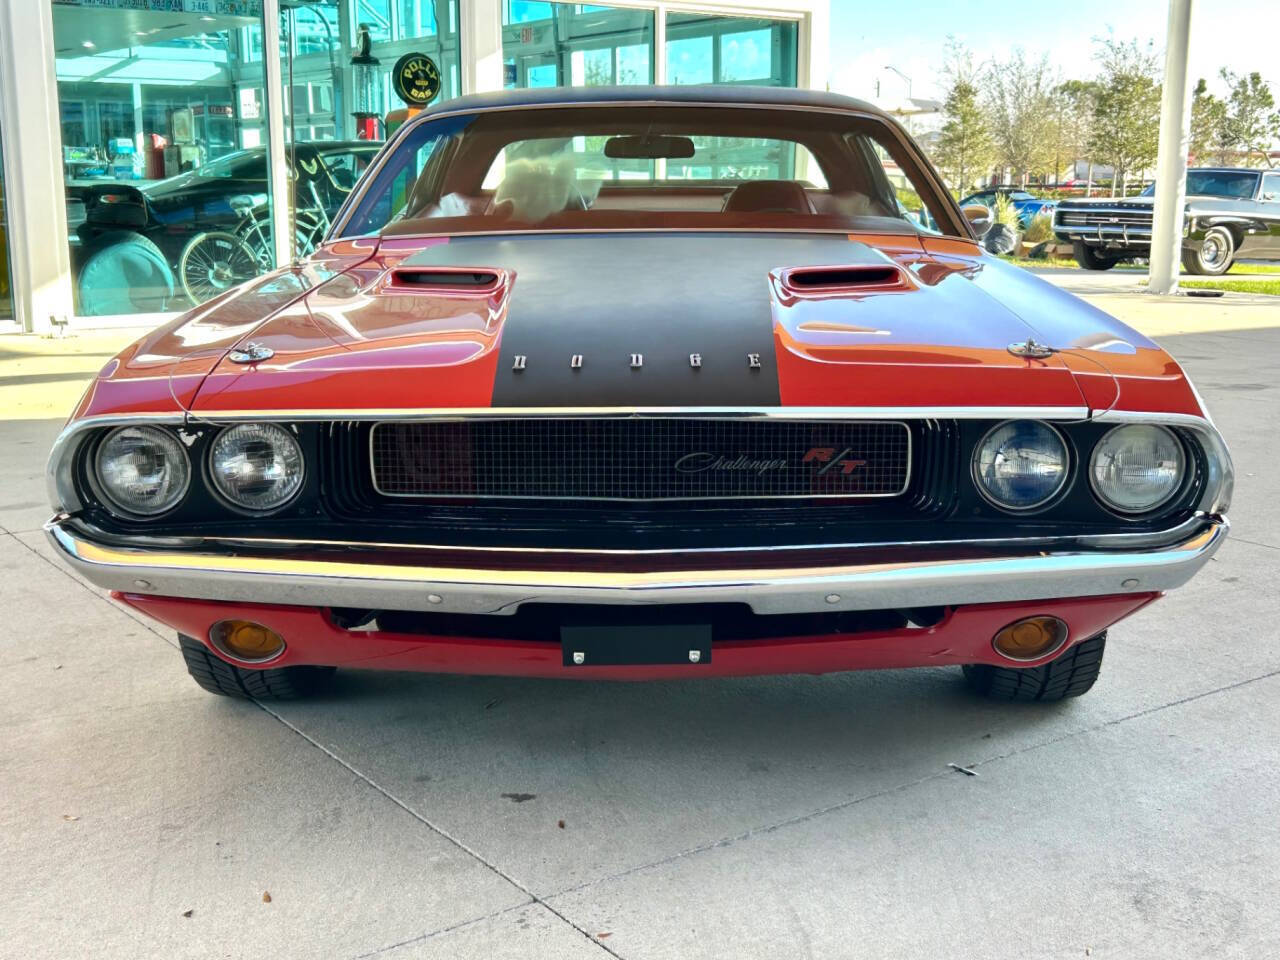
[417, 79]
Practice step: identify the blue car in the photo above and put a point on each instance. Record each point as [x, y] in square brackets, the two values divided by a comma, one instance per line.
[1028, 207]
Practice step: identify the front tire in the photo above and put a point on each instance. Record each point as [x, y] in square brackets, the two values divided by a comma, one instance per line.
[1089, 259]
[1213, 255]
[1070, 675]
[272, 683]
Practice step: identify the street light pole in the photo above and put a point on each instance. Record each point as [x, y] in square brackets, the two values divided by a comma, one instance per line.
[910, 106]
[904, 77]
[1171, 165]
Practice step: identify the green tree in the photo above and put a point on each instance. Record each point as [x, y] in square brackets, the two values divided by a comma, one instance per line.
[1208, 134]
[1251, 122]
[964, 149]
[1126, 114]
[1075, 105]
[1019, 108]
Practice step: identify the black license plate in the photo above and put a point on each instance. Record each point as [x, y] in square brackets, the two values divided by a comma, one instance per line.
[585, 645]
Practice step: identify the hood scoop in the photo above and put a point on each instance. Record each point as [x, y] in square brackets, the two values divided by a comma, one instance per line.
[455, 281]
[842, 280]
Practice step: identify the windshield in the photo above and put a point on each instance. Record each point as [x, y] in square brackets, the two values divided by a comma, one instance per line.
[1216, 183]
[633, 167]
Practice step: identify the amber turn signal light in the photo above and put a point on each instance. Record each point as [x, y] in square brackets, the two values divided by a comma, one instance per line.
[1030, 639]
[246, 641]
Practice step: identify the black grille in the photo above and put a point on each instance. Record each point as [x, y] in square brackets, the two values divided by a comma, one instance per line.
[1105, 218]
[640, 458]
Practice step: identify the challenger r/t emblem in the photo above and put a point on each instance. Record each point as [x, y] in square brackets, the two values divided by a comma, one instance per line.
[830, 459]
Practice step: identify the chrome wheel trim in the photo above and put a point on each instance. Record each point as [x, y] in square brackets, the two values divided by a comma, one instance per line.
[1213, 252]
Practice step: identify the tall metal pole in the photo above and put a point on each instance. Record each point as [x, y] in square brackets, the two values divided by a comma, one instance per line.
[1171, 167]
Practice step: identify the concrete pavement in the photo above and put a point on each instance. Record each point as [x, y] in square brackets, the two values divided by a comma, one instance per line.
[765, 817]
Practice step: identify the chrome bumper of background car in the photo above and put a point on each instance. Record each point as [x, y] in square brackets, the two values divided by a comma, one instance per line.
[1118, 235]
[236, 577]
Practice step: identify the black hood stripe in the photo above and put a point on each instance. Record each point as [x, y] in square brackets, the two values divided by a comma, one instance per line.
[662, 297]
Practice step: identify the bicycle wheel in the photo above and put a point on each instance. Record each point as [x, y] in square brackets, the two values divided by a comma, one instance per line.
[213, 262]
[308, 232]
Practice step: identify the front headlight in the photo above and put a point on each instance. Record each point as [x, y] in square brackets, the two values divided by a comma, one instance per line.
[256, 466]
[142, 470]
[1020, 465]
[1137, 467]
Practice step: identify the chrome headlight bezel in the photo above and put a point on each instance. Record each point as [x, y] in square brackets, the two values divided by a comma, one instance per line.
[278, 433]
[1044, 502]
[177, 454]
[1185, 469]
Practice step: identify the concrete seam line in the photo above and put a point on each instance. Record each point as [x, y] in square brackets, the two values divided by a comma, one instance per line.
[432, 934]
[753, 832]
[136, 618]
[440, 831]
[1192, 698]
[1255, 543]
[845, 804]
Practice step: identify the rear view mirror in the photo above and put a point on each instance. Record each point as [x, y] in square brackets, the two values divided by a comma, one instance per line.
[650, 147]
[979, 217]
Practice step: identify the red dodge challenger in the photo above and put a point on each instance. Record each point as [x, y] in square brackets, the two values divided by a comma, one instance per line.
[638, 383]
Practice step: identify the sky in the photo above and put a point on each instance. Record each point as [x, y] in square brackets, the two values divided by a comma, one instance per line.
[868, 35]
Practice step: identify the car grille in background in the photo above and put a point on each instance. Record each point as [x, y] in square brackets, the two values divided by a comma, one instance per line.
[640, 458]
[1105, 218]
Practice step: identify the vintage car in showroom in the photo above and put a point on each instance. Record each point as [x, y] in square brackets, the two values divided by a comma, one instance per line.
[1230, 214]
[636, 383]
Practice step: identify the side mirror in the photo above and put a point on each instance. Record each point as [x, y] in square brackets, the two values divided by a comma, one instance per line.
[979, 216]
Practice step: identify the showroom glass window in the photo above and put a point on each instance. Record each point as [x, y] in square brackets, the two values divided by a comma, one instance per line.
[148, 99]
[575, 44]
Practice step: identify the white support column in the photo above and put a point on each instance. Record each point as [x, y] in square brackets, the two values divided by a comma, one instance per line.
[660, 54]
[814, 62]
[346, 125]
[138, 134]
[34, 191]
[276, 155]
[1171, 168]
[480, 26]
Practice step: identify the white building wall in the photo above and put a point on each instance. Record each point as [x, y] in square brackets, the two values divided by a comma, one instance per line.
[33, 189]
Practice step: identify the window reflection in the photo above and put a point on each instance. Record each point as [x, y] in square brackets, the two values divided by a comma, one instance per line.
[147, 100]
[710, 49]
[574, 44]
[163, 117]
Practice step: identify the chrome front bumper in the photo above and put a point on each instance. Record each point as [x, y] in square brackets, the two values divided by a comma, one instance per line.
[243, 576]
[1118, 235]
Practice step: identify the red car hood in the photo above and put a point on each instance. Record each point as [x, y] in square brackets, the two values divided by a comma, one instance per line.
[688, 320]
